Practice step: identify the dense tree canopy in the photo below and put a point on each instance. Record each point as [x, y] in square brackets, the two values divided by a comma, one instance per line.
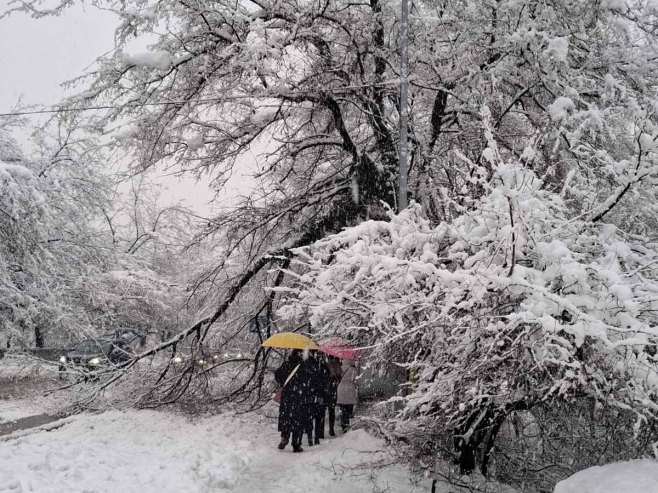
[310, 88]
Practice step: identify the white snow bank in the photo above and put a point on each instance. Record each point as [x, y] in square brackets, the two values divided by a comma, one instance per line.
[127, 452]
[637, 476]
[149, 451]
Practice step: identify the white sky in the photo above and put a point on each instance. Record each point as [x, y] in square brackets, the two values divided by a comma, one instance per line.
[37, 56]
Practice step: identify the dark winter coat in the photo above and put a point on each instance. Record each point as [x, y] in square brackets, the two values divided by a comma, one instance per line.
[320, 377]
[335, 373]
[320, 386]
[298, 396]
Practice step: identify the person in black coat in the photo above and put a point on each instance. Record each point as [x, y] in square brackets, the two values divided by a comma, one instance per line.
[319, 385]
[335, 373]
[297, 399]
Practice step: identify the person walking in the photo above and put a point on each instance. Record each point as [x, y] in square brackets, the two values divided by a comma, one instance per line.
[295, 376]
[312, 364]
[347, 395]
[315, 426]
[335, 374]
[321, 384]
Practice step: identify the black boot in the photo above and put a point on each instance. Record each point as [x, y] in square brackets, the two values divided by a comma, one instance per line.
[297, 448]
[283, 443]
[317, 441]
[332, 433]
[310, 441]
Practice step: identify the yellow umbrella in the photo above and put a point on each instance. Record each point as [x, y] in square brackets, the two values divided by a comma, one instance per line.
[290, 340]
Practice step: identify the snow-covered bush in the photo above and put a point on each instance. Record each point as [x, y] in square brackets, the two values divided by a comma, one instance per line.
[519, 301]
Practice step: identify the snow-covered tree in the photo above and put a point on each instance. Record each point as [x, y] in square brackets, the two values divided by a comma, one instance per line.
[48, 245]
[65, 275]
[22, 211]
[147, 273]
[523, 300]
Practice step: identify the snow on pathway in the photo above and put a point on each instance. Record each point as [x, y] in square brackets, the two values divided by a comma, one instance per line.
[337, 465]
[150, 451]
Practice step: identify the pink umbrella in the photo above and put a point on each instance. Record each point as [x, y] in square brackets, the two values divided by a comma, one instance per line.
[340, 348]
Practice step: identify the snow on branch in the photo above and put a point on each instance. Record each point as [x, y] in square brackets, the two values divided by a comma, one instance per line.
[513, 302]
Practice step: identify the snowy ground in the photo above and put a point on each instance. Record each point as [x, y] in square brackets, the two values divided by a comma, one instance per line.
[11, 410]
[22, 382]
[150, 451]
[157, 451]
[636, 476]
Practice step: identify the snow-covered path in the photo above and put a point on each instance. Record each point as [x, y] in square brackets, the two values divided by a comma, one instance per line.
[337, 465]
[149, 451]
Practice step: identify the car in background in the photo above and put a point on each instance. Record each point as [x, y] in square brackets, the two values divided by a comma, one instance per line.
[94, 353]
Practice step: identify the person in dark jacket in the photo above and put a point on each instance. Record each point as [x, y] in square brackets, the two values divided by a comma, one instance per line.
[295, 375]
[335, 373]
[320, 381]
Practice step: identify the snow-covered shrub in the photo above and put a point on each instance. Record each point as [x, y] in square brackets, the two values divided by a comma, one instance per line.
[521, 300]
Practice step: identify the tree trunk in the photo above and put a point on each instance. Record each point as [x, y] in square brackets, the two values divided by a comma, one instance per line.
[469, 437]
[495, 426]
[38, 337]
[476, 438]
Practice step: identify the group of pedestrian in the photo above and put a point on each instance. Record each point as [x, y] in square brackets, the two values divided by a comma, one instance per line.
[310, 387]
